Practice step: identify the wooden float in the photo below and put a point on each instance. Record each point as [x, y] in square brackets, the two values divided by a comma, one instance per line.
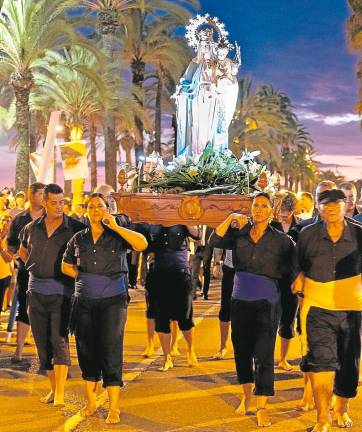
[171, 209]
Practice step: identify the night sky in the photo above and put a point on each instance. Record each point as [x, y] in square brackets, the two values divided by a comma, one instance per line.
[298, 46]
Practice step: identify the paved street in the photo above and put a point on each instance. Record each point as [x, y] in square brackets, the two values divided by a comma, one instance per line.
[183, 399]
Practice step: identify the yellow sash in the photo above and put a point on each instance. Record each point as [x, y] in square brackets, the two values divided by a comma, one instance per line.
[339, 295]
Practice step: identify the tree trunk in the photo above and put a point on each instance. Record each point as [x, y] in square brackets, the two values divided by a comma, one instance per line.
[286, 178]
[93, 154]
[32, 141]
[138, 76]
[110, 149]
[291, 182]
[158, 115]
[22, 82]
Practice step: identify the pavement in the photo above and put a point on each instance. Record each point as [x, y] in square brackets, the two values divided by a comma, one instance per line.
[201, 398]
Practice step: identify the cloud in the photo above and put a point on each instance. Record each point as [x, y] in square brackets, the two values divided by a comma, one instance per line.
[345, 165]
[329, 120]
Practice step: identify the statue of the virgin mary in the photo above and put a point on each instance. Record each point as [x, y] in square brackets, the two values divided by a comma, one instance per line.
[207, 94]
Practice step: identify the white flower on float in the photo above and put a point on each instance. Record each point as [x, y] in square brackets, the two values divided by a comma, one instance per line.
[180, 160]
[228, 153]
[155, 158]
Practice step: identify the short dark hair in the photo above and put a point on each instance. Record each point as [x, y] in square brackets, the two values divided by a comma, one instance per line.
[265, 195]
[348, 186]
[289, 201]
[35, 187]
[98, 195]
[53, 189]
[20, 194]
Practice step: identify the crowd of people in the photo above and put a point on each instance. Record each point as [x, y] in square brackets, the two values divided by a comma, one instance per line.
[286, 268]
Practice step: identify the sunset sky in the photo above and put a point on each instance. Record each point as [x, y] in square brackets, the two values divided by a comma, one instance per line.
[298, 46]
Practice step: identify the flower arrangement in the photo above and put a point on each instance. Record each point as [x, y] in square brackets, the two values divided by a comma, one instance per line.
[211, 173]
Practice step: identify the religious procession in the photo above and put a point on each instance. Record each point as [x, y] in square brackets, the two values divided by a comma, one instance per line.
[200, 292]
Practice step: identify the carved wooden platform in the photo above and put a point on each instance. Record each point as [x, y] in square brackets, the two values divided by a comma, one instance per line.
[173, 209]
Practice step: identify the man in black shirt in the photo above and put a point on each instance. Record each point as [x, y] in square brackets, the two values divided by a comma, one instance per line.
[43, 243]
[329, 256]
[35, 210]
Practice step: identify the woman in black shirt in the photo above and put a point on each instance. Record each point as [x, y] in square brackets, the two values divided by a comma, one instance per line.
[289, 301]
[169, 283]
[96, 258]
[262, 256]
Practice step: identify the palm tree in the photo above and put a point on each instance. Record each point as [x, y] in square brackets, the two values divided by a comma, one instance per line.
[263, 120]
[299, 168]
[331, 175]
[167, 73]
[149, 40]
[73, 84]
[109, 13]
[354, 35]
[28, 30]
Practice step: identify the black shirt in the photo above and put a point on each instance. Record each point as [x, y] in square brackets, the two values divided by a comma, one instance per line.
[291, 231]
[106, 257]
[45, 253]
[13, 241]
[322, 260]
[271, 256]
[168, 244]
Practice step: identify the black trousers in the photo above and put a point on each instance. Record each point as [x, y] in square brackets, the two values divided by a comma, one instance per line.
[227, 284]
[22, 280]
[4, 284]
[203, 254]
[253, 332]
[132, 270]
[49, 319]
[171, 292]
[289, 308]
[334, 344]
[99, 331]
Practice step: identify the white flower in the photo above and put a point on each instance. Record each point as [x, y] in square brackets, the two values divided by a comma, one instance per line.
[180, 160]
[228, 153]
[249, 156]
[171, 166]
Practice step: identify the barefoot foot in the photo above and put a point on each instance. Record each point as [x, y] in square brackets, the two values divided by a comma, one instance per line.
[113, 416]
[243, 408]
[220, 354]
[48, 399]
[175, 352]
[148, 352]
[59, 400]
[306, 405]
[262, 418]
[167, 365]
[285, 365]
[322, 427]
[88, 410]
[343, 420]
[192, 359]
